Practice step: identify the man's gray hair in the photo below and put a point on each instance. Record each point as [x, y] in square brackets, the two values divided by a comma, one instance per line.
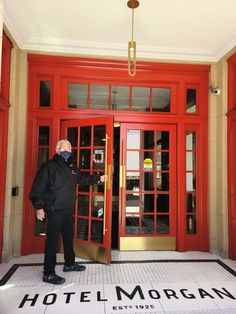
[61, 142]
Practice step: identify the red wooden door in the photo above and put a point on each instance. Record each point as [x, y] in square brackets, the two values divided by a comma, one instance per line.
[92, 147]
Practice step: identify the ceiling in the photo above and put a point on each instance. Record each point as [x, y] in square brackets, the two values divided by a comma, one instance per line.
[190, 30]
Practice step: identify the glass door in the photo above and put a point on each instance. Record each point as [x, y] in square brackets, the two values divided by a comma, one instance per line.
[147, 212]
[92, 146]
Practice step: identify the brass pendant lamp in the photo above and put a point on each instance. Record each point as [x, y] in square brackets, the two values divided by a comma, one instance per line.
[132, 4]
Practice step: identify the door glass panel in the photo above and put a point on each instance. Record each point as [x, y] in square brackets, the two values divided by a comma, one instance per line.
[43, 135]
[147, 224]
[147, 184]
[132, 181]
[43, 156]
[132, 225]
[191, 140]
[99, 135]
[77, 95]
[83, 205]
[191, 100]
[147, 161]
[191, 224]
[133, 139]
[84, 188]
[161, 99]
[148, 139]
[162, 181]
[72, 135]
[132, 203]
[84, 162]
[120, 97]
[45, 94]
[85, 136]
[132, 160]
[162, 203]
[148, 203]
[99, 95]
[97, 206]
[97, 231]
[190, 161]
[190, 182]
[141, 99]
[191, 202]
[98, 159]
[163, 161]
[162, 140]
[82, 229]
[163, 224]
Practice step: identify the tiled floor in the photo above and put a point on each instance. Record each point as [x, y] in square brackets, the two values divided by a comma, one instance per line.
[135, 282]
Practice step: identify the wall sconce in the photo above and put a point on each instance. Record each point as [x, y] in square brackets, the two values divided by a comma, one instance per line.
[132, 4]
[215, 90]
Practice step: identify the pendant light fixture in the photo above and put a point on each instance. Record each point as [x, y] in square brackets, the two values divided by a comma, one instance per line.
[132, 4]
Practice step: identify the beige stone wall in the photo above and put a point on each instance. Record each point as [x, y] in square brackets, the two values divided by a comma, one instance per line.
[218, 206]
[13, 213]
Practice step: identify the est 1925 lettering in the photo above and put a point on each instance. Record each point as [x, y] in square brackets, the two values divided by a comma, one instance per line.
[131, 307]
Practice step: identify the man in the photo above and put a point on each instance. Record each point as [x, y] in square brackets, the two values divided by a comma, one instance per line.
[53, 193]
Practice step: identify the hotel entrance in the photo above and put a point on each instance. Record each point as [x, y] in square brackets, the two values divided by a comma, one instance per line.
[148, 134]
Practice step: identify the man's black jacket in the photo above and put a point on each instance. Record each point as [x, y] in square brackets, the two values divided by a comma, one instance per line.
[54, 186]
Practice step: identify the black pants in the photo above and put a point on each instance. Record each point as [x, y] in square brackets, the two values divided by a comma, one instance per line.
[59, 222]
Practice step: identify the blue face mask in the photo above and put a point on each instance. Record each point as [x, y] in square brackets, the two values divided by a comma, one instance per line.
[65, 154]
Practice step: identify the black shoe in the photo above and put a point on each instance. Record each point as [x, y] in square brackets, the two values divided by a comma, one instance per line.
[54, 279]
[75, 267]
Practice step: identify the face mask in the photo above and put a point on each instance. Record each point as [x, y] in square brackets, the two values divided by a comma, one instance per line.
[65, 154]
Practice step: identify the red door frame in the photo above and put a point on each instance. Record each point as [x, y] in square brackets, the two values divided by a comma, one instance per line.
[231, 147]
[4, 109]
[61, 70]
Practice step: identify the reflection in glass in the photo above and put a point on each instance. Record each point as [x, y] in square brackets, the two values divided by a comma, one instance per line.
[83, 205]
[72, 135]
[132, 225]
[45, 94]
[132, 203]
[99, 95]
[148, 184]
[163, 224]
[43, 156]
[84, 160]
[132, 162]
[162, 161]
[162, 203]
[191, 224]
[82, 229]
[191, 140]
[190, 161]
[120, 97]
[148, 203]
[147, 224]
[191, 100]
[97, 231]
[99, 135]
[191, 202]
[77, 95]
[148, 139]
[162, 181]
[98, 187]
[75, 155]
[133, 139]
[162, 139]
[43, 136]
[97, 206]
[98, 159]
[85, 136]
[161, 99]
[132, 181]
[141, 99]
[190, 181]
